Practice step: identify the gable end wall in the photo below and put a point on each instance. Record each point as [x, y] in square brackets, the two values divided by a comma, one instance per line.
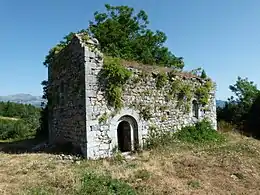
[67, 121]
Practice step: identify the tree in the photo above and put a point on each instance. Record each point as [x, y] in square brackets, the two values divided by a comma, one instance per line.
[121, 33]
[246, 91]
[203, 74]
[43, 119]
[238, 107]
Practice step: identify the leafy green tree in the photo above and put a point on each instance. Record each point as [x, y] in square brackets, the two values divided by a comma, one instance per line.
[237, 108]
[245, 91]
[122, 33]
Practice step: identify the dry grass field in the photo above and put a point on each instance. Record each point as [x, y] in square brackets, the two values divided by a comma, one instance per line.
[229, 168]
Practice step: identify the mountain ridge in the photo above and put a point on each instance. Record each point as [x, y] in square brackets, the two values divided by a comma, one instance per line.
[220, 103]
[24, 98]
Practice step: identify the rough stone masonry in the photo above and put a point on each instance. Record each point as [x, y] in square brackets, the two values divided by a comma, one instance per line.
[79, 113]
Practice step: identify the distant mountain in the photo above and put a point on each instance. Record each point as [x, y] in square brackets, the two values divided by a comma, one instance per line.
[220, 103]
[23, 99]
[37, 100]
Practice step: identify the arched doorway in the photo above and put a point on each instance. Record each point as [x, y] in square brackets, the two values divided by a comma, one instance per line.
[127, 134]
[124, 136]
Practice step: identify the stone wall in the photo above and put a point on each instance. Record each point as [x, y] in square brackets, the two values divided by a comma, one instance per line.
[145, 105]
[85, 117]
[67, 95]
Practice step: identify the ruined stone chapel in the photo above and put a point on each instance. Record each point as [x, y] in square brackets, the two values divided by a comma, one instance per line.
[79, 111]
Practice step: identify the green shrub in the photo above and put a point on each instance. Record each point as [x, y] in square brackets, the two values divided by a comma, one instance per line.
[103, 185]
[118, 157]
[14, 129]
[194, 184]
[201, 132]
[157, 138]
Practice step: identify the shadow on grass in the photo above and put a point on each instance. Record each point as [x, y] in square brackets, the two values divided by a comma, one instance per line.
[37, 145]
[19, 146]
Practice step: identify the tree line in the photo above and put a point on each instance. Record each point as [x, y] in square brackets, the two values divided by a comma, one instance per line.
[18, 121]
[23, 111]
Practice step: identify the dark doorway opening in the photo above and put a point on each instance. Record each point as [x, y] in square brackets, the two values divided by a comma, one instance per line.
[124, 136]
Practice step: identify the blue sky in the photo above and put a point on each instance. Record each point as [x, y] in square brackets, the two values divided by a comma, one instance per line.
[221, 36]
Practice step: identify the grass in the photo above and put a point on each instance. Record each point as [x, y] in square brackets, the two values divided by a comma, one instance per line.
[231, 167]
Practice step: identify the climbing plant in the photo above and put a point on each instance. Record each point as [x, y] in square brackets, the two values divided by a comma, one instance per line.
[145, 112]
[184, 92]
[161, 80]
[203, 92]
[180, 90]
[103, 118]
[112, 78]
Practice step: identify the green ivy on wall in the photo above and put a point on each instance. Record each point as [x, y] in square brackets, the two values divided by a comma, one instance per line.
[203, 91]
[113, 77]
[161, 80]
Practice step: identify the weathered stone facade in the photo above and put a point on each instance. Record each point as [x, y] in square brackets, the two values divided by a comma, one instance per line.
[79, 112]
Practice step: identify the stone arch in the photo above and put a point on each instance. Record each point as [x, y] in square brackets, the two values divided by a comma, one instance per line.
[126, 120]
[127, 133]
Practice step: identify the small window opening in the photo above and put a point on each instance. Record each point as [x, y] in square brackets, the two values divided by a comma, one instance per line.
[195, 109]
[62, 90]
